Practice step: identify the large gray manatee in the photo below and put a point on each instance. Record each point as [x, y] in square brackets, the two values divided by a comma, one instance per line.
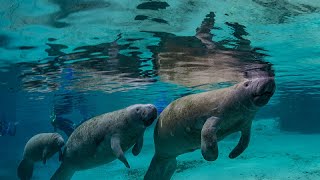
[201, 120]
[39, 148]
[105, 138]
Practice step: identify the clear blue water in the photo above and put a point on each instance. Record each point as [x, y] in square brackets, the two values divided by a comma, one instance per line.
[81, 58]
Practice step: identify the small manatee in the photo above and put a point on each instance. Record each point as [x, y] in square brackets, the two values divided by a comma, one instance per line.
[39, 148]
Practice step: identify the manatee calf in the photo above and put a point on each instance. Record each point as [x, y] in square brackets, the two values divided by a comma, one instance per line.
[201, 120]
[105, 138]
[39, 148]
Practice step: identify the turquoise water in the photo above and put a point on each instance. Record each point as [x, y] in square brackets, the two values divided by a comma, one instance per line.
[80, 58]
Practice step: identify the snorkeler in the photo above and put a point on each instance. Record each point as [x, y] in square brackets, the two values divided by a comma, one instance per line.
[60, 109]
[66, 99]
[7, 128]
[63, 124]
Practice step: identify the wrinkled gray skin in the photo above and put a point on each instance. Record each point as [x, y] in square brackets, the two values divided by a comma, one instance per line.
[199, 121]
[105, 138]
[39, 148]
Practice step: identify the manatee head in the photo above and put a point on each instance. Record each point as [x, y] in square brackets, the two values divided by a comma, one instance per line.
[143, 113]
[258, 91]
[58, 140]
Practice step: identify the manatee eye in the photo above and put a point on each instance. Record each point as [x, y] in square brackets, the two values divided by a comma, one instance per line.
[138, 110]
[246, 84]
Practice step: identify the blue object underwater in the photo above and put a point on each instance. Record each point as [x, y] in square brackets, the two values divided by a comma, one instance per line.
[7, 128]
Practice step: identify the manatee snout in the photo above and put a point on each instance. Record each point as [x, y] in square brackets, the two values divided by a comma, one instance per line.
[265, 88]
[150, 114]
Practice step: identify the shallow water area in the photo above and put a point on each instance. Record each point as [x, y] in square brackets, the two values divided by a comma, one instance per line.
[77, 59]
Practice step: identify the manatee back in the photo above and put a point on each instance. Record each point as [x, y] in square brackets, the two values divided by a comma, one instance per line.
[189, 109]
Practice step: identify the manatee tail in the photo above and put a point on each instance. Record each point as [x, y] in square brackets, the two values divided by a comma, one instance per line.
[63, 173]
[161, 168]
[25, 169]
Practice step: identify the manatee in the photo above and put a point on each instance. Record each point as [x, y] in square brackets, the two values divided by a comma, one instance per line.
[39, 148]
[105, 138]
[199, 121]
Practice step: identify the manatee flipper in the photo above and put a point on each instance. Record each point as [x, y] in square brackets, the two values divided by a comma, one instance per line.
[161, 168]
[25, 169]
[209, 140]
[64, 172]
[204, 31]
[60, 155]
[44, 155]
[117, 150]
[243, 143]
[138, 146]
